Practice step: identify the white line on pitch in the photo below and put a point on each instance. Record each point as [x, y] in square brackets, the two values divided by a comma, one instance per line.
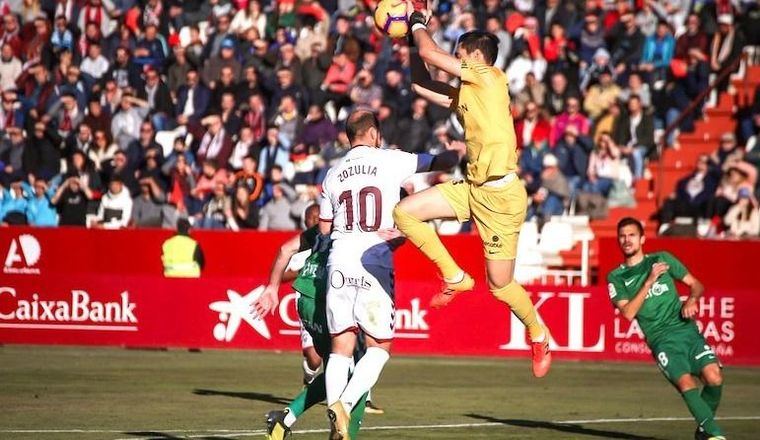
[244, 432]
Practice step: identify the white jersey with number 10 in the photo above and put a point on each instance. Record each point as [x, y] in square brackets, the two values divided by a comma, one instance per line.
[358, 195]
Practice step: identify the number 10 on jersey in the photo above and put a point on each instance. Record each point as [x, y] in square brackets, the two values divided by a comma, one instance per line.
[368, 198]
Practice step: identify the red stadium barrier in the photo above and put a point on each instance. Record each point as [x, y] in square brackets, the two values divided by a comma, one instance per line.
[69, 286]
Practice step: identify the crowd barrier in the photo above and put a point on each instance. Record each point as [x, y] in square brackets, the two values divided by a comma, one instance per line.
[96, 287]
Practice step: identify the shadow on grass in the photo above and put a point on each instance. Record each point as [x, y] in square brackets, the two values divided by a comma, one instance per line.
[261, 397]
[561, 427]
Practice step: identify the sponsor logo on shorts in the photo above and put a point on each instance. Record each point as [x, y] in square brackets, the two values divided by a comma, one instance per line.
[338, 280]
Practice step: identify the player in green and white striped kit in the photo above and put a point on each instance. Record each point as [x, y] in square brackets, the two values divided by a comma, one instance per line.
[643, 287]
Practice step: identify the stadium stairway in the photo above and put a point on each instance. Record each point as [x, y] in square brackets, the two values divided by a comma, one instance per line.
[680, 161]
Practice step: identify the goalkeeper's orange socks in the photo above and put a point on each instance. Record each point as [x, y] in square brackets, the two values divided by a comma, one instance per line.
[426, 239]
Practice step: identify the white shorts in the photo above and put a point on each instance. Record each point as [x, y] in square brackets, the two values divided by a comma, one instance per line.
[361, 298]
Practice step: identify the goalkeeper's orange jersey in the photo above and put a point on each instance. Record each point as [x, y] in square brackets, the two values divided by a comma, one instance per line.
[489, 131]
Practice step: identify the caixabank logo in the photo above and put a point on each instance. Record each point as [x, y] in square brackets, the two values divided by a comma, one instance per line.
[24, 252]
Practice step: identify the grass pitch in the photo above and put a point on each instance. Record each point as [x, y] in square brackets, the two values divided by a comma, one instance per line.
[97, 393]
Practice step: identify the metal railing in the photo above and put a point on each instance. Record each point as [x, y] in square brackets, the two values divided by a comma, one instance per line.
[694, 105]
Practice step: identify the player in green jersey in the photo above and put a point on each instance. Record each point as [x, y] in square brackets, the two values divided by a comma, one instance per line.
[310, 283]
[643, 287]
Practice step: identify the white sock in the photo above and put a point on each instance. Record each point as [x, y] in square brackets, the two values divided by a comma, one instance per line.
[336, 376]
[308, 373]
[365, 376]
[290, 419]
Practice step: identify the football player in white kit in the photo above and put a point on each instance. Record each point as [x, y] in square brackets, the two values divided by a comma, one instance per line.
[358, 198]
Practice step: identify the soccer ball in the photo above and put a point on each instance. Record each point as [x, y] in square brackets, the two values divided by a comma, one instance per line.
[390, 18]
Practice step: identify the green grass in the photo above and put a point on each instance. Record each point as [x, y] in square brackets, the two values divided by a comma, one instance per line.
[176, 394]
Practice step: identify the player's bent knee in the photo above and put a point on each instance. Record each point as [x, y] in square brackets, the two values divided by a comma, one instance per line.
[402, 218]
[712, 375]
[686, 383]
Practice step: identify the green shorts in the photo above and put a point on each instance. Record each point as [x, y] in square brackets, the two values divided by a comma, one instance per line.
[313, 314]
[682, 352]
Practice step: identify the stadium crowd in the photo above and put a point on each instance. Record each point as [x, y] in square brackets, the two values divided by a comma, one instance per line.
[119, 113]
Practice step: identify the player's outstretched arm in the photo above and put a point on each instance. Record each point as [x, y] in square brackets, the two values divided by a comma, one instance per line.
[429, 51]
[268, 300]
[631, 308]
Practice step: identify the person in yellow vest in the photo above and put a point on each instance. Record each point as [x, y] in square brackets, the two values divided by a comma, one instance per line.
[182, 256]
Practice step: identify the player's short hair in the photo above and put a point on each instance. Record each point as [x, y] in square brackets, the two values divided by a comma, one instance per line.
[487, 42]
[628, 221]
[359, 122]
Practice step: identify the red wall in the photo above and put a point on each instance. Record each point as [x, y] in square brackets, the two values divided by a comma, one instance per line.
[73, 286]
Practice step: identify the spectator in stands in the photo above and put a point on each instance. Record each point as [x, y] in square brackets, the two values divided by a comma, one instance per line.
[634, 134]
[558, 94]
[94, 64]
[40, 210]
[41, 158]
[606, 168]
[743, 218]
[628, 44]
[364, 93]
[592, 39]
[601, 95]
[692, 194]
[657, 54]
[192, 99]
[83, 169]
[494, 25]
[571, 116]
[71, 199]
[727, 149]
[222, 67]
[158, 96]
[694, 37]
[11, 114]
[102, 150]
[637, 87]
[14, 202]
[599, 63]
[737, 175]
[572, 153]
[727, 45]
[288, 121]
[273, 153]
[10, 67]
[553, 192]
[521, 66]
[12, 157]
[245, 210]
[216, 213]
[125, 125]
[215, 143]
[148, 208]
[115, 207]
[250, 178]
[339, 77]
[534, 91]
[275, 215]
[317, 130]
[533, 129]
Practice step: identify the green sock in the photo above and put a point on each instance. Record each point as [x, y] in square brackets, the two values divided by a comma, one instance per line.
[711, 395]
[310, 396]
[357, 414]
[701, 412]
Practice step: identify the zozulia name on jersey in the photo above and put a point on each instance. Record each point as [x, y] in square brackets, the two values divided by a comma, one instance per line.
[357, 170]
